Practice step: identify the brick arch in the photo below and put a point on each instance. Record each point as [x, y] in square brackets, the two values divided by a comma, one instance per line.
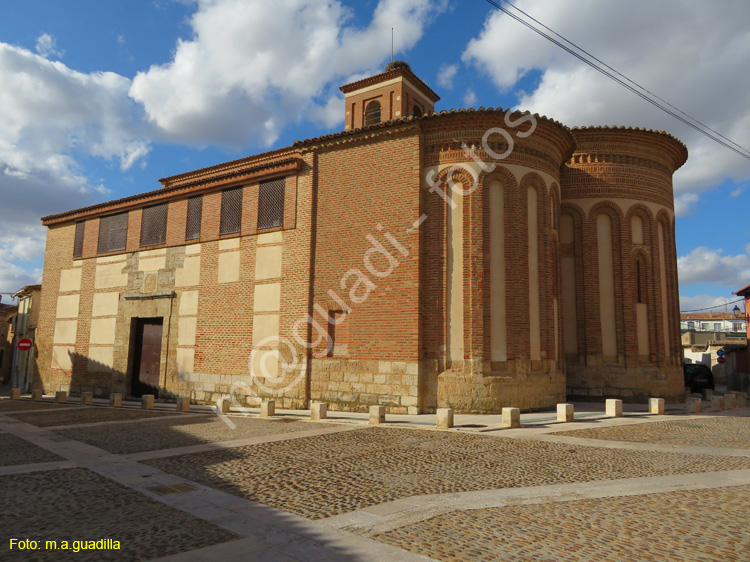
[510, 197]
[672, 300]
[610, 207]
[581, 304]
[554, 195]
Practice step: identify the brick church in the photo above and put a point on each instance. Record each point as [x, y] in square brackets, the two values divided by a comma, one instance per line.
[473, 259]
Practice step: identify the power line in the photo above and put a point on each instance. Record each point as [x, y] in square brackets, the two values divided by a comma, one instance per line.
[636, 89]
[711, 307]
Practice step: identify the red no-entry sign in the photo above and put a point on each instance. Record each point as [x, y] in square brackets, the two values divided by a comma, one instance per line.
[720, 359]
[25, 344]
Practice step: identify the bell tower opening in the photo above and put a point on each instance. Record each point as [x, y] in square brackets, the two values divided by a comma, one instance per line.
[394, 94]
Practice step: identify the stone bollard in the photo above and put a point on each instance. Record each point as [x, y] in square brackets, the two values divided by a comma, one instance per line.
[15, 393]
[729, 401]
[511, 417]
[740, 399]
[444, 418]
[267, 408]
[318, 411]
[687, 391]
[115, 399]
[565, 412]
[147, 401]
[708, 393]
[656, 406]
[61, 397]
[614, 408]
[87, 398]
[37, 395]
[694, 405]
[377, 415]
[183, 404]
[223, 405]
[717, 403]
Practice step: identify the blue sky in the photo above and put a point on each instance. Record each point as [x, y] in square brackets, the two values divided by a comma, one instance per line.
[101, 99]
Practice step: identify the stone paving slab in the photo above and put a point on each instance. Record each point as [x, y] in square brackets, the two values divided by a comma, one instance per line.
[729, 432]
[16, 451]
[318, 477]
[702, 525]
[78, 504]
[85, 415]
[171, 433]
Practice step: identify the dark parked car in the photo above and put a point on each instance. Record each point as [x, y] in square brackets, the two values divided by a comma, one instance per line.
[698, 376]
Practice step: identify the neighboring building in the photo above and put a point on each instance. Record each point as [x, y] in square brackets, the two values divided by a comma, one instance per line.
[725, 322]
[7, 312]
[739, 378]
[556, 275]
[25, 322]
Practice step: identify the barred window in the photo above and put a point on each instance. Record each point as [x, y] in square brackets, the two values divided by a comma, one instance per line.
[372, 113]
[154, 225]
[78, 244]
[194, 215]
[231, 210]
[271, 204]
[113, 233]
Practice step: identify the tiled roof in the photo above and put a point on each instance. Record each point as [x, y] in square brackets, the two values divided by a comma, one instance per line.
[387, 75]
[709, 316]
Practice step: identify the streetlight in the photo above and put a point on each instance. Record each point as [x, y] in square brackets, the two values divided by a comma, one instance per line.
[736, 311]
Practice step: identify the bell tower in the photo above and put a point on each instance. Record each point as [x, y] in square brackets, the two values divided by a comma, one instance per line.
[393, 94]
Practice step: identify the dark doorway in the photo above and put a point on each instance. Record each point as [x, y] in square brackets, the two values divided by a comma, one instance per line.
[147, 358]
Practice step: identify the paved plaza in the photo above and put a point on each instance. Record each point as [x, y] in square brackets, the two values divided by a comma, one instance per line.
[186, 486]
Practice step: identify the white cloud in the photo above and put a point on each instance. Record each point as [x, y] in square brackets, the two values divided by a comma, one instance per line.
[254, 66]
[665, 46]
[45, 46]
[700, 302]
[446, 74]
[704, 265]
[470, 98]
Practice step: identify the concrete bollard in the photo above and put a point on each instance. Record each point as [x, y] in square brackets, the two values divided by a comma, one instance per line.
[444, 418]
[729, 401]
[656, 406]
[115, 399]
[614, 408]
[37, 395]
[267, 408]
[15, 393]
[708, 393]
[687, 391]
[511, 417]
[183, 404]
[87, 398]
[147, 401]
[717, 403]
[565, 412]
[61, 397]
[740, 399]
[377, 415]
[223, 405]
[318, 411]
[694, 405]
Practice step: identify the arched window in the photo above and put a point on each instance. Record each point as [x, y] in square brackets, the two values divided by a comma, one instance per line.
[372, 113]
[416, 112]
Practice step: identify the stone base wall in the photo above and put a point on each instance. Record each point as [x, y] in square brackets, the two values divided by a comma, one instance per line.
[630, 384]
[354, 386]
[473, 387]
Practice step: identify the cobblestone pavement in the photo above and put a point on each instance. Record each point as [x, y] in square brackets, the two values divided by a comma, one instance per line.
[318, 477]
[84, 414]
[731, 432]
[77, 504]
[22, 405]
[676, 526]
[14, 450]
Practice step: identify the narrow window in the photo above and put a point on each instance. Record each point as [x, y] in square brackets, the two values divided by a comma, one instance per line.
[372, 113]
[113, 233]
[271, 204]
[638, 279]
[154, 225]
[231, 210]
[338, 331]
[194, 216]
[78, 244]
[717, 326]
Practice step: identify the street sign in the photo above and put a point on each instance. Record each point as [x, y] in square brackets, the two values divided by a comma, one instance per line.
[24, 344]
[720, 359]
[721, 353]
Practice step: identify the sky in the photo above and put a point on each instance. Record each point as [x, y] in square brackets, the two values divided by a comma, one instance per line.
[98, 100]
